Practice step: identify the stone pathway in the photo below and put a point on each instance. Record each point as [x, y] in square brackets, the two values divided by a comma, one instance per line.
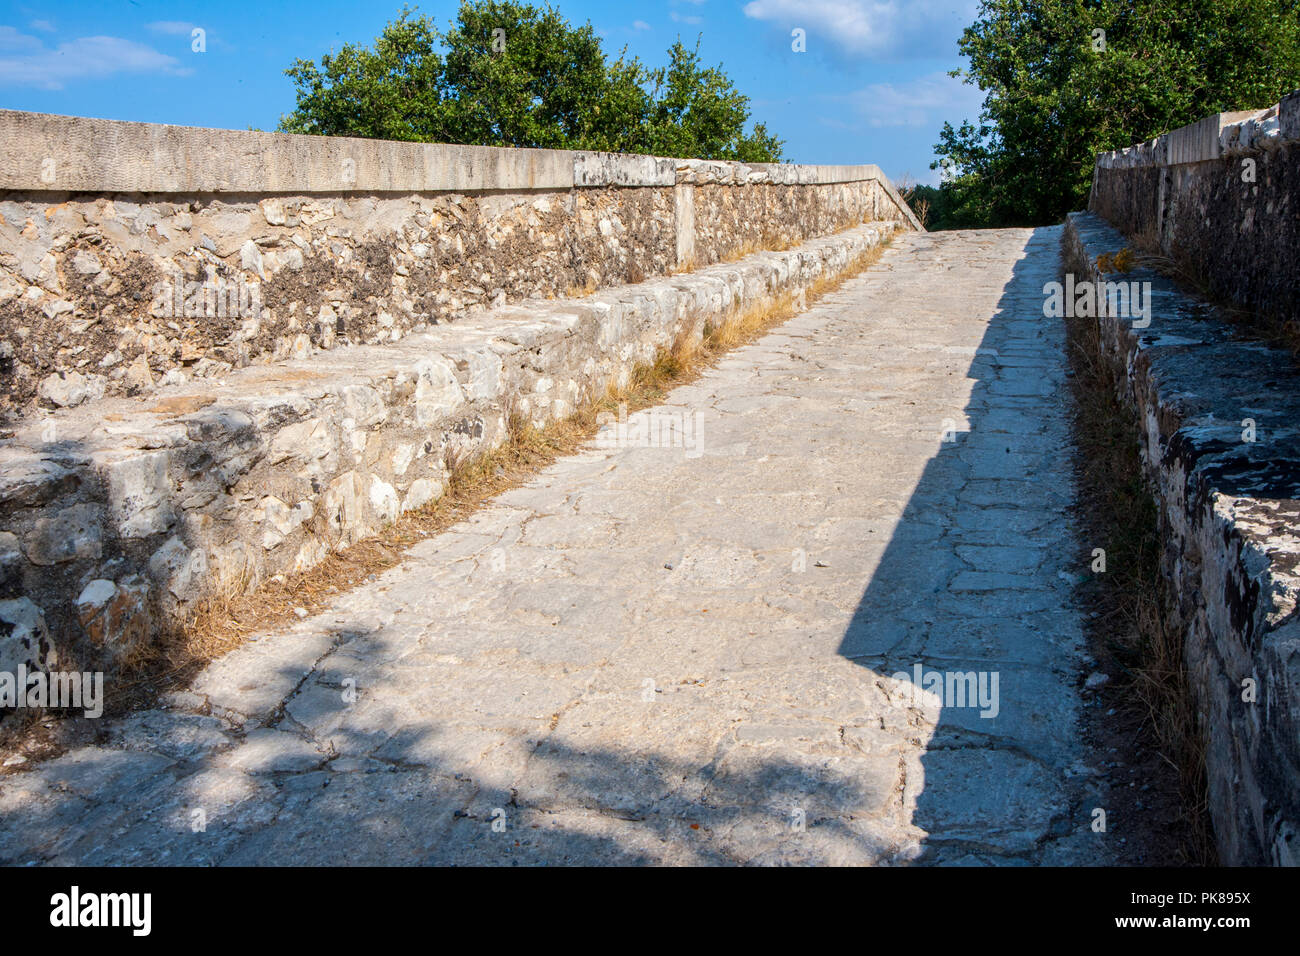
[648, 655]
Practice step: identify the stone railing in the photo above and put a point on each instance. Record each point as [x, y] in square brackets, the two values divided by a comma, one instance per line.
[228, 354]
[1222, 199]
[133, 254]
[1218, 202]
[1216, 414]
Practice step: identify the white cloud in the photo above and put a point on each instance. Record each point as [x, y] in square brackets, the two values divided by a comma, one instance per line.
[170, 27]
[44, 25]
[875, 29]
[11, 41]
[26, 61]
[924, 101]
[639, 25]
[679, 18]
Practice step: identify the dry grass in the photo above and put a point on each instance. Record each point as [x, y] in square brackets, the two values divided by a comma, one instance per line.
[1132, 636]
[581, 291]
[222, 621]
[1122, 261]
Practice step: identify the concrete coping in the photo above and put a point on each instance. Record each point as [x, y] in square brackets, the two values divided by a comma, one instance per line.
[44, 152]
[1222, 134]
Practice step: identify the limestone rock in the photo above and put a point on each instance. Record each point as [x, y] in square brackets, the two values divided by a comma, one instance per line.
[312, 553]
[138, 375]
[437, 393]
[116, 615]
[282, 519]
[307, 441]
[383, 501]
[67, 389]
[10, 553]
[139, 494]
[24, 638]
[178, 569]
[68, 535]
[250, 258]
[273, 211]
[86, 263]
[421, 492]
[356, 505]
[57, 307]
[364, 406]
[32, 483]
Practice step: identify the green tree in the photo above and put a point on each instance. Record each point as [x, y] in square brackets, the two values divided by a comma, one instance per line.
[514, 76]
[696, 112]
[394, 91]
[511, 74]
[944, 207]
[1067, 79]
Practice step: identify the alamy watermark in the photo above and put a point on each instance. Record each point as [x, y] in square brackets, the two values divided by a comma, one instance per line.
[1120, 300]
[957, 689]
[655, 428]
[70, 690]
[133, 911]
[214, 297]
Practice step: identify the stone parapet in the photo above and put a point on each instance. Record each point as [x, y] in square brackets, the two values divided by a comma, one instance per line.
[1217, 418]
[135, 257]
[1221, 198]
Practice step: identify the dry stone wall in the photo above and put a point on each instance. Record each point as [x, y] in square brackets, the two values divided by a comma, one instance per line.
[1217, 410]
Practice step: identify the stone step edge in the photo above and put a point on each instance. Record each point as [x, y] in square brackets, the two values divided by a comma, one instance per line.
[132, 510]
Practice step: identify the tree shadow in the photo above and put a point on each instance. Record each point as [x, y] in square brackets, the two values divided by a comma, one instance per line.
[380, 785]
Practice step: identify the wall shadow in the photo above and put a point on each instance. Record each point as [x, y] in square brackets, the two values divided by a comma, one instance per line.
[971, 600]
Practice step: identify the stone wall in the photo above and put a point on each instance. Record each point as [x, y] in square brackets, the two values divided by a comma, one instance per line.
[1217, 415]
[134, 256]
[352, 346]
[1222, 199]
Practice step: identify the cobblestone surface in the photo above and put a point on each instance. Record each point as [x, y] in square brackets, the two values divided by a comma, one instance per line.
[654, 655]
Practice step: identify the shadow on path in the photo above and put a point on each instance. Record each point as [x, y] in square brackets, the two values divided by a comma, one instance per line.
[972, 602]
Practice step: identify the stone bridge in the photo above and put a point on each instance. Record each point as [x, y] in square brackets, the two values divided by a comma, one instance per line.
[833, 619]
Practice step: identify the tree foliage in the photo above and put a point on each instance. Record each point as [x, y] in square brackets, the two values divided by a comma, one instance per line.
[1057, 92]
[512, 74]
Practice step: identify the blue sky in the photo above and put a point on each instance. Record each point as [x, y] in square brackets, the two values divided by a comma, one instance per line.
[870, 88]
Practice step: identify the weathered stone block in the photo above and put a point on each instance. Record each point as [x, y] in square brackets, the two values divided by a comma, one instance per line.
[364, 405]
[178, 569]
[116, 615]
[70, 534]
[24, 638]
[31, 482]
[69, 389]
[139, 494]
[437, 393]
